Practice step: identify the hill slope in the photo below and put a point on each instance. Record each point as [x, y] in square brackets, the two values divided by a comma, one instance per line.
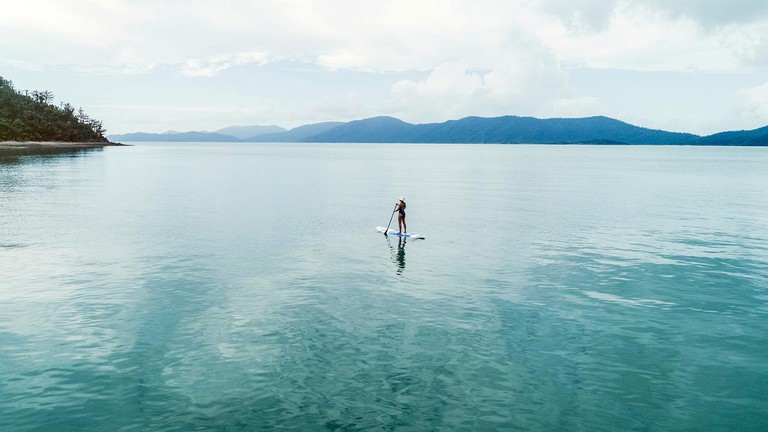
[501, 130]
[297, 134]
[755, 137]
[470, 130]
[245, 132]
[30, 117]
[372, 130]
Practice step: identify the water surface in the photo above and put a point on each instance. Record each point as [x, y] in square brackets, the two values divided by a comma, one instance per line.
[171, 287]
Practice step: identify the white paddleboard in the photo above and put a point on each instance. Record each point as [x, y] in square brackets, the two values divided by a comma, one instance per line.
[394, 232]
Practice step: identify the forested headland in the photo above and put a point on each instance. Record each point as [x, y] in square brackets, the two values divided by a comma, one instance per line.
[31, 116]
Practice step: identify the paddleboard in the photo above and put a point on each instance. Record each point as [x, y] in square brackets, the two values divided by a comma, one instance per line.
[394, 232]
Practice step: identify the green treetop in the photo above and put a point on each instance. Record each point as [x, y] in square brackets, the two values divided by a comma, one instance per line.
[30, 116]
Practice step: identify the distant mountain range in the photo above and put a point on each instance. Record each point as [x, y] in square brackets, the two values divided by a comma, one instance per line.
[469, 130]
[172, 136]
[299, 134]
[755, 137]
[245, 132]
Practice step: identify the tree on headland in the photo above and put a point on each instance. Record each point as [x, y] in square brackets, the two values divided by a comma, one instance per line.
[31, 116]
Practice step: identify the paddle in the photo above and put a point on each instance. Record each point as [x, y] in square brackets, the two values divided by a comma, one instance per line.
[390, 218]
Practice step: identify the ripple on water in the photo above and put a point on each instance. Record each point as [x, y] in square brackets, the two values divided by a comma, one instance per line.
[574, 289]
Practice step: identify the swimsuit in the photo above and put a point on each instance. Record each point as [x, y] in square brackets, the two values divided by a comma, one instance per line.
[402, 212]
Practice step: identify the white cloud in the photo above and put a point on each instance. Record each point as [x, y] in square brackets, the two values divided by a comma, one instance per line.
[383, 36]
[479, 57]
[20, 64]
[646, 38]
[517, 84]
[753, 102]
[213, 65]
[596, 14]
[159, 118]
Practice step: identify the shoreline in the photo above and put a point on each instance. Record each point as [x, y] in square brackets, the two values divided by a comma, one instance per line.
[55, 145]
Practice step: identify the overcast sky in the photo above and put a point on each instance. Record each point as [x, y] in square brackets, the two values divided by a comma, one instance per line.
[696, 66]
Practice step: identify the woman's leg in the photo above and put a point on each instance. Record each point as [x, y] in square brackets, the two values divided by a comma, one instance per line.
[400, 223]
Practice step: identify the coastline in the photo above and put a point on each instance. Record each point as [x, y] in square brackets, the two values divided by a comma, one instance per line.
[20, 145]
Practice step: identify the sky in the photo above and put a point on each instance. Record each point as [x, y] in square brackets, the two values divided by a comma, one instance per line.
[698, 66]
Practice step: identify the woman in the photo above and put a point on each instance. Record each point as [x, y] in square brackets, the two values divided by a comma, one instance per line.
[401, 216]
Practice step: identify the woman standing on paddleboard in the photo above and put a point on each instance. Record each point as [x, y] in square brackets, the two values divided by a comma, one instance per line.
[401, 216]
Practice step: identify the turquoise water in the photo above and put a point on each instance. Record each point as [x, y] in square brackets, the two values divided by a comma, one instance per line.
[171, 287]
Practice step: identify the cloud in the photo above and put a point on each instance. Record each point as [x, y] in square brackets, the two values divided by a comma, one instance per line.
[213, 65]
[479, 57]
[397, 35]
[159, 118]
[649, 37]
[20, 64]
[753, 102]
[712, 15]
[517, 84]
[596, 14]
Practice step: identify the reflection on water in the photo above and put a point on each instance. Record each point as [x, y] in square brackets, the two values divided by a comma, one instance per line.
[398, 254]
[12, 245]
[14, 155]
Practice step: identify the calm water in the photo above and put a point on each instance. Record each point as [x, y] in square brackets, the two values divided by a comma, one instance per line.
[243, 287]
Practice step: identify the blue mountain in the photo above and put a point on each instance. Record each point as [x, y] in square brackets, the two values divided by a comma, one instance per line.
[501, 130]
[297, 134]
[372, 130]
[755, 137]
[245, 132]
[470, 130]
